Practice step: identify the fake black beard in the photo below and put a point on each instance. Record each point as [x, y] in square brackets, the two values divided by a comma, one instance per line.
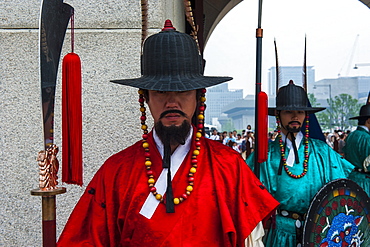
[293, 130]
[173, 134]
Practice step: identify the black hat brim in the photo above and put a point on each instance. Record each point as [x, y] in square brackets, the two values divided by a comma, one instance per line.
[173, 83]
[364, 111]
[359, 117]
[309, 110]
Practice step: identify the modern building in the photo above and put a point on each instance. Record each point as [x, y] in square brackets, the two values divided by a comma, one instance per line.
[287, 73]
[242, 112]
[218, 97]
[358, 87]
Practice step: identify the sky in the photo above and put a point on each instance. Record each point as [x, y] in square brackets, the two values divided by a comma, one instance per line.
[337, 31]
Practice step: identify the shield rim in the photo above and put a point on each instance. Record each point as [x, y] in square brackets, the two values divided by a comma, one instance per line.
[321, 195]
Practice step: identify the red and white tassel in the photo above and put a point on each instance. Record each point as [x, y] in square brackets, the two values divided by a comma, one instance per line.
[262, 121]
[72, 172]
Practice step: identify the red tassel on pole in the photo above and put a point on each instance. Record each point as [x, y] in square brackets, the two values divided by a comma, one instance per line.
[72, 117]
[262, 121]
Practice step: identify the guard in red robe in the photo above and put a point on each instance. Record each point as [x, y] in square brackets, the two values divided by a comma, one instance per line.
[174, 187]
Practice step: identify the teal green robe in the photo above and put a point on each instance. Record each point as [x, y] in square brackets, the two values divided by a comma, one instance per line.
[324, 165]
[356, 150]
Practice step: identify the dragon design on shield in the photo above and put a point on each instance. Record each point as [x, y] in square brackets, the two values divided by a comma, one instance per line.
[339, 216]
[344, 229]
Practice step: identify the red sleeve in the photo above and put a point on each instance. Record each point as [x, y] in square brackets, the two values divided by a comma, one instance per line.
[243, 200]
[87, 225]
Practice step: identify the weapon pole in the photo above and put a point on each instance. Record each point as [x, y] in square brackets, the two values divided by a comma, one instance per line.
[48, 214]
[259, 35]
[49, 166]
[54, 18]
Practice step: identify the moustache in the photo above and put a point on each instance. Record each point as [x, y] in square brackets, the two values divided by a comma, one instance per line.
[163, 114]
[293, 122]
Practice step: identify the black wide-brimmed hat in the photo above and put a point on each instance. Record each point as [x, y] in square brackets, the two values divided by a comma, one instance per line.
[364, 110]
[171, 62]
[292, 98]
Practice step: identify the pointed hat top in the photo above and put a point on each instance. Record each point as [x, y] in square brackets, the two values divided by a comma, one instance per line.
[168, 26]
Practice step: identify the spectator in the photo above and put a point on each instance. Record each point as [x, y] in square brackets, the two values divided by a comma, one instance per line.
[215, 136]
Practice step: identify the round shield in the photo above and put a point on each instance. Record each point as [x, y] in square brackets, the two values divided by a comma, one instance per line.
[338, 216]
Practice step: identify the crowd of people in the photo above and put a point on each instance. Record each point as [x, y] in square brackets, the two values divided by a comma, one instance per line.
[336, 139]
[244, 142]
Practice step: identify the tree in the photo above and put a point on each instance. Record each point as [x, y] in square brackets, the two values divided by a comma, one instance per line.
[313, 100]
[340, 109]
[228, 126]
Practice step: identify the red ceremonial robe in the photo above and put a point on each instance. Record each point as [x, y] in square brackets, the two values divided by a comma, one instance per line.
[227, 202]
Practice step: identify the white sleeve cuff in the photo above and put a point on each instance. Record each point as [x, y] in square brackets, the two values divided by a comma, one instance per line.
[366, 164]
[255, 238]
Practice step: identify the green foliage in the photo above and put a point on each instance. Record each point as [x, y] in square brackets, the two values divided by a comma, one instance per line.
[313, 100]
[337, 115]
[229, 126]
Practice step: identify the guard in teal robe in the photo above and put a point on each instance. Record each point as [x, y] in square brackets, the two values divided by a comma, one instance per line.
[297, 167]
[357, 149]
[295, 195]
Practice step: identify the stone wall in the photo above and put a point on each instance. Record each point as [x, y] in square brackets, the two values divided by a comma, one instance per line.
[107, 39]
